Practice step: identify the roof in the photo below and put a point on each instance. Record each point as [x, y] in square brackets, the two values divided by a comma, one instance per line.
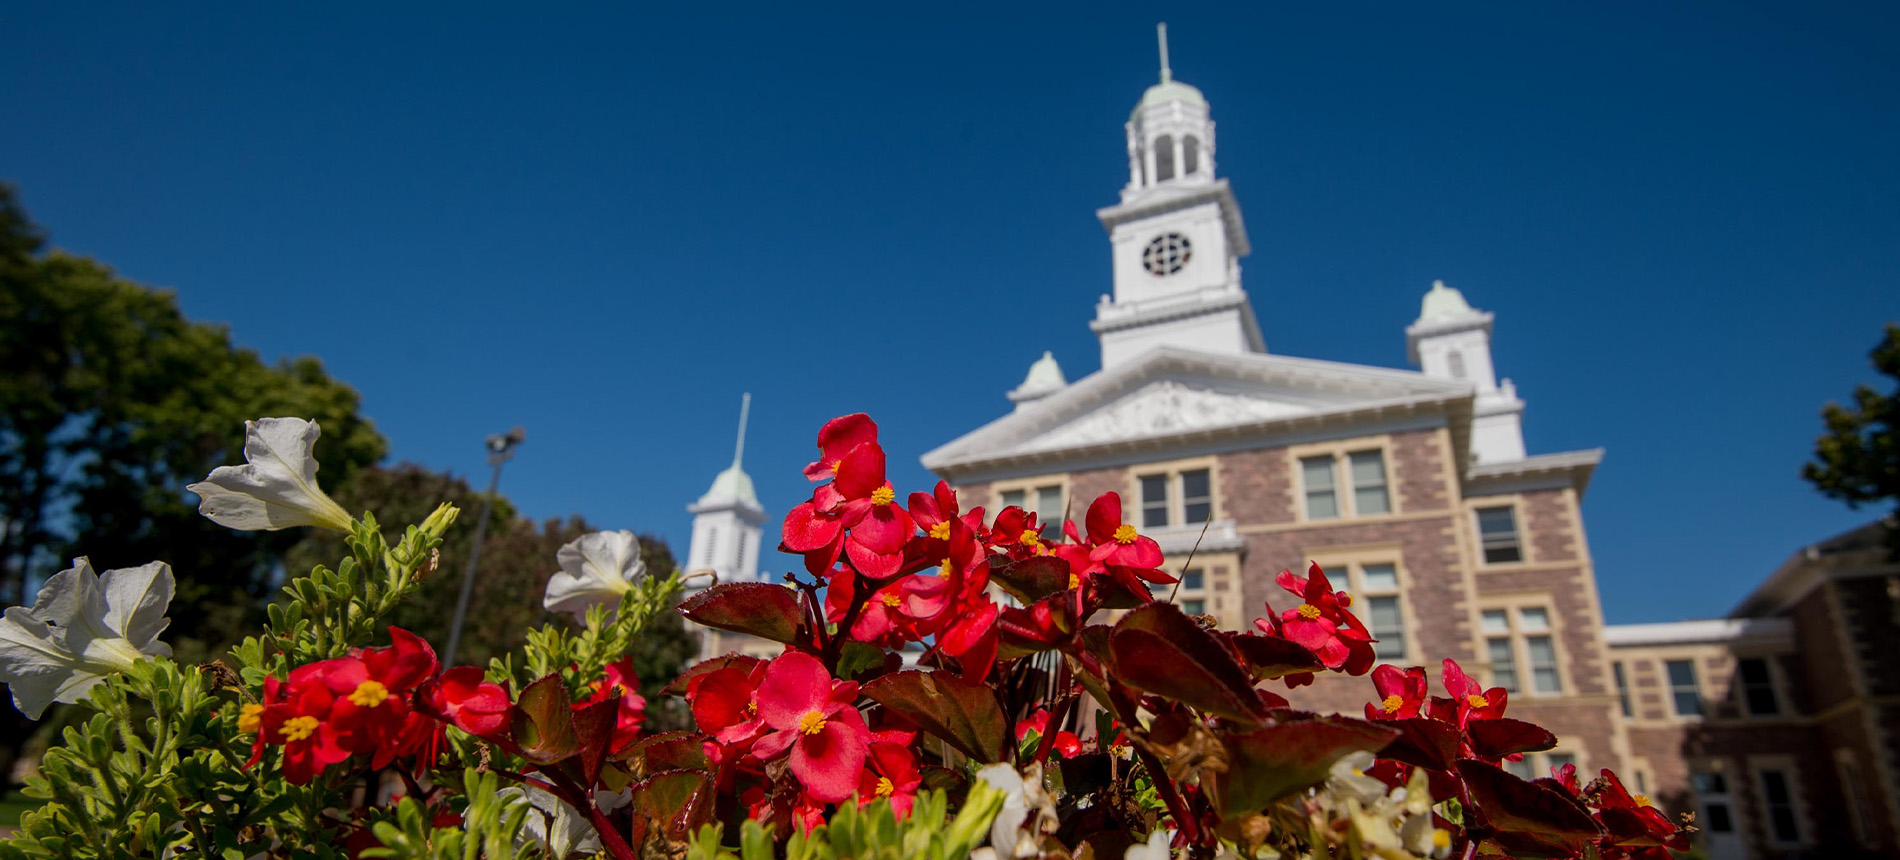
[731, 486]
[1169, 91]
[1565, 468]
[1724, 630]
[1172, 398]
[1808, 566]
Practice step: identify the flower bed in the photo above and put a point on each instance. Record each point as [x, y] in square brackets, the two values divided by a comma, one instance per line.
[1053, 708]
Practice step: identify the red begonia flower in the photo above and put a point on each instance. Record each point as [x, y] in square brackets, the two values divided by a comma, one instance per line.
[299, 721]
[1472, 701]
[725, 703]
[621, 682]
[1117, 543]
[461, 697]
[815, 533]
[371, 712]
[1632, 821]
[890, 771]
[817, 719]
[1065, 745]
[836, 439]
[1402, 693]
[1016, 533]
[1322, 623]
[971, 637]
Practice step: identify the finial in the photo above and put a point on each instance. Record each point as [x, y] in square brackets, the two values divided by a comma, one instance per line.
[1161, 35]
[1438, 285]
[745, 407]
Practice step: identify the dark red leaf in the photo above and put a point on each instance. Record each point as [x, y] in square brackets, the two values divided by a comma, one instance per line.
[1270, 763]
[542, 722]
[681, 684]
[667, 751]
[755, 608]
[1429, 744]
[1160, 650]
[1268, 657]
[962, 712]
[594, 730]
[1527, 819]
[1498, 738]
[678, 801]
[1031, 579]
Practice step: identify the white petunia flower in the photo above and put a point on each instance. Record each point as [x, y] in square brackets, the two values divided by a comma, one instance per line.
[83, 627]
[596, 569]
[1156, 848]
[558, 826]
[1028, 812]
[277, 486]
[1348, 778]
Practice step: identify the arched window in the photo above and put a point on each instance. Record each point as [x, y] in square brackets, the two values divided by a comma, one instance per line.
[1190, 155]
[1164, 158]
[1456, 361]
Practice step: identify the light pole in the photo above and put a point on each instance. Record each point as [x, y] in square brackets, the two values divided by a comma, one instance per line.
[501, 447]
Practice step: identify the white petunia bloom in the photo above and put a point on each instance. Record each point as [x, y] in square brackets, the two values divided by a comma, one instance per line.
[83, 627]
[1156, 848]
[596, 569]
[1028, 812]
[277, 486]
[558, 826]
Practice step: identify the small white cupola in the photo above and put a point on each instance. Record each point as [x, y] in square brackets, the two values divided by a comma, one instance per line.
[1044, 378]
[1452, 340]
[728, 520]
[1170, 134]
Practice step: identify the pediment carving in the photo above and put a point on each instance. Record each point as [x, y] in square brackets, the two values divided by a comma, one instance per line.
[1163, 408]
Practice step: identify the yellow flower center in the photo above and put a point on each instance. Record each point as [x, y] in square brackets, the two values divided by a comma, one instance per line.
[1029, 538]
[890, 600]
[1477, 700]
[1125, 534]
[1119, 750]
[299, 728]
[882, 496]
[1308, 611]
[369, 694]
[1642, 800]
[251, 718]
[751, 709]
[811, 723]
[884, 786]
[944, 568]
[941, 531]
[1075, 582]
[1441, 839]
[1393, 703]
[834, 466]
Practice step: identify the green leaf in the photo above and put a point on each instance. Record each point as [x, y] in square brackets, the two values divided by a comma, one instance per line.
[755, 608]
[963, 713]
[1160, 650]
[1270, 763]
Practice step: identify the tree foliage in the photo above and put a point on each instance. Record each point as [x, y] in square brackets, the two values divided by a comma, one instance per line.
[1858, 459]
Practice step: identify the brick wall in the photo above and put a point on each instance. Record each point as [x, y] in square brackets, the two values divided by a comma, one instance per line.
[1418, 470]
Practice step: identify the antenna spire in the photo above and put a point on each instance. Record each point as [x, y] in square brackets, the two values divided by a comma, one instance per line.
[745, 407]
[1161, 35]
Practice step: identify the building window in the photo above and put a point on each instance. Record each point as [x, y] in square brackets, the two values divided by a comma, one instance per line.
[1777, 794]
[1682, 687]
[1365, 475]
[1856, 796]
[1521, 638]
[1322, 502]
[1379, 585]
[712, 546]
[1047, 506]
[1154, 500]
[1497, 534]
[1190, 155]
[1555, 761]
[1368, 483]
[1194, 488]
[1190, 594]
[1711, 790]
[1757, 687]
[1456, 361]
[1164, 158]
[1622, 689]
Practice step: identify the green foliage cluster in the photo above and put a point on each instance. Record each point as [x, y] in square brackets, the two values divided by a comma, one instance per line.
[1858, 459]
[873, 832]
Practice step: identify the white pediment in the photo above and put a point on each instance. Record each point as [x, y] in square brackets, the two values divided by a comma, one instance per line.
[1164, 408]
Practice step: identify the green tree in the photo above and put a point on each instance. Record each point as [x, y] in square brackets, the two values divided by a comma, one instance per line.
[517, 558]
[111, 401]
[1858, 459]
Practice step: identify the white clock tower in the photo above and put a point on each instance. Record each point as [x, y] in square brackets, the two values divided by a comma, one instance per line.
[1176, 236]
[728, 520]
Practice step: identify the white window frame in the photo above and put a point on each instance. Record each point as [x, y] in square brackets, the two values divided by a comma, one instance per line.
[1171, 471]
[1346, 567]
[1344, 490]
[1789, 768]
[1517, 532]
[1522, 667]
[1031, 488]
[1669, 686]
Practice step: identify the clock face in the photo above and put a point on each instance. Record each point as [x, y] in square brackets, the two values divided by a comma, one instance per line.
[1166, 254]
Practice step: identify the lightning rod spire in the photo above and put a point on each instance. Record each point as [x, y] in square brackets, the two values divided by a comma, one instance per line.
[1161, 35]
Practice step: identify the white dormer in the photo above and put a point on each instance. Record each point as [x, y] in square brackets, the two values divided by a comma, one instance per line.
[1451, 340]
[1044, 378]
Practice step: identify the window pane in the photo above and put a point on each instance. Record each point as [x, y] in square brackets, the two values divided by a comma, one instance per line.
[1503, 664]
[1622, 689]
[1543, 664]
[1558, 760]
[1521, 769]
[1533, 620]
[1495, 621]
[1682, 688]
[1154, 500]
[1709, 783]
[1780, 803]
[1194, 607]
[1381, 577]
[1758, 687]
[1321, 502]
[1013, 497]
[1197, 498]
[1368, 483]
[1191, 579]
[1719, 820]
[1681, 673]
[1388, 625]
[1497, 531]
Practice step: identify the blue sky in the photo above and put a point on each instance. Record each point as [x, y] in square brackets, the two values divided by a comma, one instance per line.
[603, 223]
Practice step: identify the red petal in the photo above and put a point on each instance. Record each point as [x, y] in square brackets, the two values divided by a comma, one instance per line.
[871, 563]
[795, 683]
[1104, 516]
[806, 529]
[829, 762]
[861, 471]
[884, 529]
